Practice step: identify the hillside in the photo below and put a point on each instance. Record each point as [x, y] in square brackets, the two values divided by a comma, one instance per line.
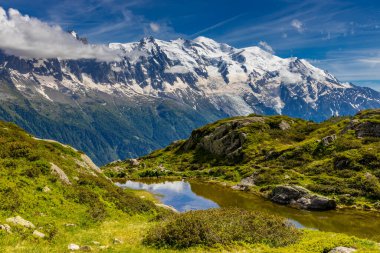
[338, 158]
[161, 90]
[54, 199]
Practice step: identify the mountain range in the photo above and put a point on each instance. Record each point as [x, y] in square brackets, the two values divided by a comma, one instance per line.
[161, 90]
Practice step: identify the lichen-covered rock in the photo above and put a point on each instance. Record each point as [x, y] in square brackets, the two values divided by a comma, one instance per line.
[299, 197]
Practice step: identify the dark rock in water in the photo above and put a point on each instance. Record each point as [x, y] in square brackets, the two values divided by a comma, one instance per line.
[299, 197]
[285, 194]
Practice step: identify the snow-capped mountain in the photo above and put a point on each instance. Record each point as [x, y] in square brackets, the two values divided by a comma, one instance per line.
[161, 90]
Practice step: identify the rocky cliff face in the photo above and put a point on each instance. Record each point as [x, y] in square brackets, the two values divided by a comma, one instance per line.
[161, 90]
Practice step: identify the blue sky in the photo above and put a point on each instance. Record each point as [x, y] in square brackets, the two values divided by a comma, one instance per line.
[338, 35]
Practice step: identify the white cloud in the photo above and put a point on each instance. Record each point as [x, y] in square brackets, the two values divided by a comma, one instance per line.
[29, 37]
[298, 25]
[265, 46]
[155, 27]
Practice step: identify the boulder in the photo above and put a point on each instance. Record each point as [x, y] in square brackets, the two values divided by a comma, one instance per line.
[37, 233]
[299, 197]
[240, 187]
[342, 250]
[285, 194]
[6, 228]
[20, 221]
[73, 246]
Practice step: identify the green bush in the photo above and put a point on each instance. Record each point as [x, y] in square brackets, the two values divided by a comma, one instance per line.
[221, 226]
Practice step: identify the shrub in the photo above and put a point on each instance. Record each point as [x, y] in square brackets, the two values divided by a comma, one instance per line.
[221, 226]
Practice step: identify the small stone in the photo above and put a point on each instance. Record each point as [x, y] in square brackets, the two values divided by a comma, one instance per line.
[103, 247]
[342, 250]
[37, 233]
[70, 225]
[46, 189]
[134, 162]
[6, 228]
[95, 243]
[117, 241]
[73, 246]
[20, 221]
[86, 248]
[240, 187]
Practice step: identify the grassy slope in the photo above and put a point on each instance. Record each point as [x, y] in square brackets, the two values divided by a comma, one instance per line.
[99, 210]
[348, 169]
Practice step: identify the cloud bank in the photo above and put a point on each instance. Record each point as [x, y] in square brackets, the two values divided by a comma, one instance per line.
[29, 37]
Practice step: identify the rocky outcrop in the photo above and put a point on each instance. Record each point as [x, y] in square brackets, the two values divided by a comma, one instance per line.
[225, 140]
[20, 221]
[299, 197]
[367, 129]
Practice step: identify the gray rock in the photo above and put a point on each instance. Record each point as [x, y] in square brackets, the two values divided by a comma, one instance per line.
[37, 233]
[328, 140]
[249, 181]
[134, 162]
[240, 187]
[342, 250]
[20, 221]
[6, 228]
[284, 125]
[55, 170]
[73, 246]
[301, 198]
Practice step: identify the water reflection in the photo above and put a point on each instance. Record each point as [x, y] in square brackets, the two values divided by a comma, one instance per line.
[194, 195]
[177, 194]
